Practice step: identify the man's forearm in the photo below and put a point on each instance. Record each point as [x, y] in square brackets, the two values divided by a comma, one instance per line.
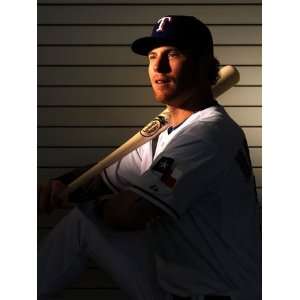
[91, 190]
[72, 175]
[127, 211]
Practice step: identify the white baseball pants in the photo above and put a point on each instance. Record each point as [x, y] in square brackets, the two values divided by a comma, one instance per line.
[63, 256]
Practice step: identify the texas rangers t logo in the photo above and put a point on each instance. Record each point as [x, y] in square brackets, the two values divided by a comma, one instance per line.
[162, 22]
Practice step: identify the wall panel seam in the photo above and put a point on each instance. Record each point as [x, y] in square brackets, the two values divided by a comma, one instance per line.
[116, 126]
[132, 25]
[149, 4]
[102, 147]
[120, 66]
[128, 45]
[121, 85]
[127, 106]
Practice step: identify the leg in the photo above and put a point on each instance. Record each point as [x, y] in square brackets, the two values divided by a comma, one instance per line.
[61, 256]
[124, 255]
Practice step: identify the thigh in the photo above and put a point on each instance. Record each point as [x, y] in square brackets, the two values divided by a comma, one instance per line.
[126, 256]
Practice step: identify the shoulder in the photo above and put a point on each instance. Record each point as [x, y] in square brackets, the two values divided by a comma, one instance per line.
[212, 131]
[213, 125]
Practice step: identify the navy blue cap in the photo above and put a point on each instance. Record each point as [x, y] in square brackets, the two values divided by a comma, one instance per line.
[185, 32]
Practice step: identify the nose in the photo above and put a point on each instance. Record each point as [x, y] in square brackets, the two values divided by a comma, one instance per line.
[162, 65]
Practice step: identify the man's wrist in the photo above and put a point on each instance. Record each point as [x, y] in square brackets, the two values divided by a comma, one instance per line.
[101, 204]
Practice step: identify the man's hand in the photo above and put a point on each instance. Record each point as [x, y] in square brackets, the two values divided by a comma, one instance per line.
[127, 211]
[51, 195]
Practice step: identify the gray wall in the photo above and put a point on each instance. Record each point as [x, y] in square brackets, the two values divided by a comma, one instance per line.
[93, 93]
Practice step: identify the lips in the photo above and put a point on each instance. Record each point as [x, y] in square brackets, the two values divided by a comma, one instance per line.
[162, 80]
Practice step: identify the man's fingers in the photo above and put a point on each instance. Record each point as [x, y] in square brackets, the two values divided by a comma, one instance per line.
[51, 195]
[39, 205]
[59, 196]
[44, 198]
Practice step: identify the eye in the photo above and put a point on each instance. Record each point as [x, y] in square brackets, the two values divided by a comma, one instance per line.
[151, 56]
[173, 53]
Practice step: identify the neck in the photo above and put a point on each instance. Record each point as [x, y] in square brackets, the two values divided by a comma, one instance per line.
[196, 102]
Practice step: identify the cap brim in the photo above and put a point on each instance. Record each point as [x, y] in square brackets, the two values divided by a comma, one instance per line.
[143, 45]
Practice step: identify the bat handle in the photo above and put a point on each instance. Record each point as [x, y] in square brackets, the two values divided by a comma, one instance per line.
[150, 131]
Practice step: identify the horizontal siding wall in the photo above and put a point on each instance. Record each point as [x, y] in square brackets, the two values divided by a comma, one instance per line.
[118, 76]
[129, 14]
[123, 56]
[135, 96]
[105, 35]
[93, 92]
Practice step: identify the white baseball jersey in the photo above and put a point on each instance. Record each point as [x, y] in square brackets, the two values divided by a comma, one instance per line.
[201, 176]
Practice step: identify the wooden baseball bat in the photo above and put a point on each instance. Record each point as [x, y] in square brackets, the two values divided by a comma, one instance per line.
[228, 76]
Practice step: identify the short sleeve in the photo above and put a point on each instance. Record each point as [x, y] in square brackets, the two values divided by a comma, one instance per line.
[180, 175]
[116, 176]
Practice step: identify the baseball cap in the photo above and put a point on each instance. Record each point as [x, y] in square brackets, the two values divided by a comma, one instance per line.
[180, 31]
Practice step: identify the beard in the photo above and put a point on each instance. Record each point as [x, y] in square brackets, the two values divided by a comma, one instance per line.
[164, 96]
[171, 94]
[177, 88]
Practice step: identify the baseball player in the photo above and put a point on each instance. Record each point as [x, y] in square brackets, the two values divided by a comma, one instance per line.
[176, 218]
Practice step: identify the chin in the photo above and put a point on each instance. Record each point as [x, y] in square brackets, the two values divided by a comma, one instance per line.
[171, 101]
[161, 99]
[164, 98]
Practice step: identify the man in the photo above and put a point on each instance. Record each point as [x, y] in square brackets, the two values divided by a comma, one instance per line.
[182, 221]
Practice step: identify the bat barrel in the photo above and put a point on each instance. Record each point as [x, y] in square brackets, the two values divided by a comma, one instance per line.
[228, 77]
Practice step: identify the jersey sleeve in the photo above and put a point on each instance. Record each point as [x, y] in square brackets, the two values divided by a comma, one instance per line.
[180, 175]
[116, 176]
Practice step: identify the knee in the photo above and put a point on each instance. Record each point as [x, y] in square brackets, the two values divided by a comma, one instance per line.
[73, 217]
[68, 228]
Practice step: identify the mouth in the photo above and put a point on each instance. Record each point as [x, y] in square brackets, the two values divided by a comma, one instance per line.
[162, 81]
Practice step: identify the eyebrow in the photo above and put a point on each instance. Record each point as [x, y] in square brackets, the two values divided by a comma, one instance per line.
[168, 50]
[151, 52]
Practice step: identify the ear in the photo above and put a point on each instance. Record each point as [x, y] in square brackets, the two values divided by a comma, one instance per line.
[213, 70]
[201, 69]
[209, 68]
